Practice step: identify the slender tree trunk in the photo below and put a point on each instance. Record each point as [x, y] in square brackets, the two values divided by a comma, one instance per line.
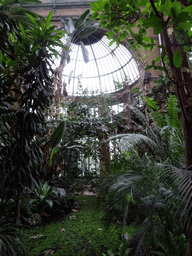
[53, 98]
[18, 207]
[104, 148]
[20, 170]
[54, 90]
[57, 85]
[60, 80]
[145, 104]
[104, 156]
[183, 86]
[127, 104]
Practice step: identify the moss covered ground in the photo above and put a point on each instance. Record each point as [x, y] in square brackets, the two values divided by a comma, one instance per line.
[78, 233]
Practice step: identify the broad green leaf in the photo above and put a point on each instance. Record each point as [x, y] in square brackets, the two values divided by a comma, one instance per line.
[188, 9]
[158, 58]
[42, 197]
[50, 203]
[145, 11]
[100, 4]
[22, 30]
[142, 2]
[159, 68]
[57, 135]
[152, 21]
[81, 20]
[185, 25]
[88, 31]
[176, 5]
[111, 42]
[48, 20]
[53, 152]
[183, 17]
[94, 6]
[84, 52]
[94, 15]
[85, 15]
[165, 8]
[32, 19]
[148, 67]
[71, 25]
[158, 29]
[68, 25]
[147, 39]
[173, 14]
[177, 59]
[182, 36]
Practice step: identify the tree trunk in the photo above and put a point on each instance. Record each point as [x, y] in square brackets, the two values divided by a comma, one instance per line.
[59, 80]
[128, 103]
[104, 156]
[57, 85]
[183, 86]
[145, 102]
[18, 207]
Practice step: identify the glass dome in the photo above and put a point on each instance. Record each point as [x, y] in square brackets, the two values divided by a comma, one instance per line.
[108, 67]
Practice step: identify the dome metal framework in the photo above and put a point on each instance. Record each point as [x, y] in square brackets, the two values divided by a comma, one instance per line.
[106, 71]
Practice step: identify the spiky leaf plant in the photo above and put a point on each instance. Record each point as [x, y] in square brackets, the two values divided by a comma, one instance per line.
[10, 245]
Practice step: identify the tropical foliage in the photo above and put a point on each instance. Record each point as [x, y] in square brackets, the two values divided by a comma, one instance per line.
[142, 192]
[41, 196]
[144, 179]
[26, 91]
[10, 244]
[145, 186]
[121, 18]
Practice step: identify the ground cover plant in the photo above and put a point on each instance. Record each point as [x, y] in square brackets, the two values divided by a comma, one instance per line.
[79, 233]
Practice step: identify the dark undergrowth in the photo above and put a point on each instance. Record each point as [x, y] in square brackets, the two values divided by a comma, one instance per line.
[78, 233]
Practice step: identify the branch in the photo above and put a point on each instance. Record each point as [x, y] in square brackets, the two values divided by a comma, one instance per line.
[166, 71]
[155, 9]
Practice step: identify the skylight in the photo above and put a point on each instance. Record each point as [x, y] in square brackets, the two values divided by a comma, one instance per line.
[107, 69]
